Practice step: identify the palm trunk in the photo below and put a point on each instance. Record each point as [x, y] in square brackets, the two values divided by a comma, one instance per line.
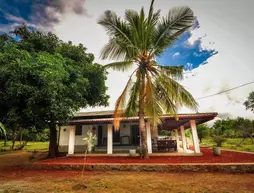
[142, 128]
[52, 139]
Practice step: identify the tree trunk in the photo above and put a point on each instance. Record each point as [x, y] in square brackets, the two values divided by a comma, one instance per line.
[5, 140]
[14, 129]
[52, 139]
[241, 141]
[142, 127]
[20, 136]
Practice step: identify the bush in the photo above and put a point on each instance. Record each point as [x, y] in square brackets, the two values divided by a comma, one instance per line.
[219, 140]
[164, 133]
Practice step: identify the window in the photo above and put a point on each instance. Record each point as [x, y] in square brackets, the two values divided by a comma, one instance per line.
[78, 130]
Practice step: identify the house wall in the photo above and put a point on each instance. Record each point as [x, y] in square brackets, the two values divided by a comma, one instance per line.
[125, 130]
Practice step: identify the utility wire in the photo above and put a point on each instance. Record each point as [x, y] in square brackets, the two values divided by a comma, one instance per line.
[221, 92]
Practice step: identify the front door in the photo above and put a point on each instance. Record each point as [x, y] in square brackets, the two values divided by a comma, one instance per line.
[99, 135]
[135, 134]
[116, 136]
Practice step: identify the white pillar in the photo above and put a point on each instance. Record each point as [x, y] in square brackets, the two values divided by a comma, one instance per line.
[177, 140]
[194, 136]
[71, 140]
[184, 144]
[110, 140]
[148, 137]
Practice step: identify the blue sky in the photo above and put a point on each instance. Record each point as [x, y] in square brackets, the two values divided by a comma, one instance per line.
[34, 13]
[184, 53]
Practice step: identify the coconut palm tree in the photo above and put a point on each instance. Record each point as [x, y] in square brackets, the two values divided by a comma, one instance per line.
[152, 89]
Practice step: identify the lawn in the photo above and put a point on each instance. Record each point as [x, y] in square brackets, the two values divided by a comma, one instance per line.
[231, 144]
[31, 146]
[73, 181]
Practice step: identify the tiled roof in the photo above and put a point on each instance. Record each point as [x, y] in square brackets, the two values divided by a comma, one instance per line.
[166, 116]
[95, 113]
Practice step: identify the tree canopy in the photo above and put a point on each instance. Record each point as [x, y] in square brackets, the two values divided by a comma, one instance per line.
[44, 80]
[249, 103]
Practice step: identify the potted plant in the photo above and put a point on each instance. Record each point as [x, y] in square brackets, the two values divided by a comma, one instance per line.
[132, 152]
[218, 139]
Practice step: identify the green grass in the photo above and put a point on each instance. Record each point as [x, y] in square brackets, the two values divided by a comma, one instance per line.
[31, 146]
[231, 144]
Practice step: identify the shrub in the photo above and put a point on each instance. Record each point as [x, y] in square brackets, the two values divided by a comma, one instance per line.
[219, 140]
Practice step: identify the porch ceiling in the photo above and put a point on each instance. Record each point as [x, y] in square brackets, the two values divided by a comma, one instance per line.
[169, 121]
[173, 124]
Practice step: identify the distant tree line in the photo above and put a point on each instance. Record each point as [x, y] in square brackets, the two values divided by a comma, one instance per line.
[228, 128]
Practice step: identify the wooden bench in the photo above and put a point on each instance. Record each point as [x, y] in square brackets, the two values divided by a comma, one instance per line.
[166, 145]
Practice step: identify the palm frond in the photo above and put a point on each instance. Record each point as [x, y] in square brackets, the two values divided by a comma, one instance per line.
[152, 105]
[175, 72]
[116, 50]
[165, 96]
[178, 20]
[119, 66]
[120, 104]
[132, 106]
[132, 18]
[115, 27]
[175, 92]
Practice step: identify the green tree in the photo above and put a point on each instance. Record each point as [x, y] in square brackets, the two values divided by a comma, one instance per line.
[244, 128]
[203, 131]
[249, 103]
[135, 41]
[45, 80]
[219, 129]
[16, 87]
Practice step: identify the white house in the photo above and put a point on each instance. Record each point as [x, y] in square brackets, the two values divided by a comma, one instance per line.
[110, 141]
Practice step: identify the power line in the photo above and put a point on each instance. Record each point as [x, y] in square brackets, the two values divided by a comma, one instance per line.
[221, 92]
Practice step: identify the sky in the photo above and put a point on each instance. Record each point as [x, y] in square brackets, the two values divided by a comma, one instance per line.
[216, 52]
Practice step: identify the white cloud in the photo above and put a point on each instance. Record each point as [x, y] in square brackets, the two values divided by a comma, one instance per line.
[231, 30]
[176, 54]
[189, 66]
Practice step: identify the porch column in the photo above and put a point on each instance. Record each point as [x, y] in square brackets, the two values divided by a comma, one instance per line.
[184, 144]
[110, 140]
[71, 139]
[177, 140]
[148, 137]
[194, 136]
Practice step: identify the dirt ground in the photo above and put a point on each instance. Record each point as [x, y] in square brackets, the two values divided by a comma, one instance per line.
[208, 157]
[17, 180]
[20, 158]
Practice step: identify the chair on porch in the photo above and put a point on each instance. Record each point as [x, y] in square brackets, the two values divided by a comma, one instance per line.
[167, 145]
